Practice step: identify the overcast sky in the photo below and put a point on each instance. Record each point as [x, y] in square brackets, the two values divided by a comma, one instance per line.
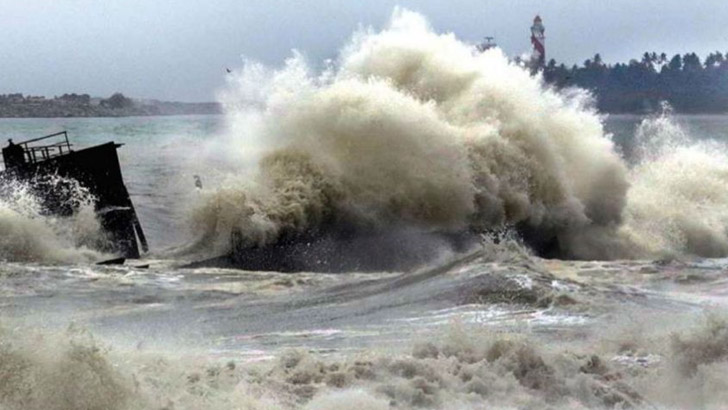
[178, 50]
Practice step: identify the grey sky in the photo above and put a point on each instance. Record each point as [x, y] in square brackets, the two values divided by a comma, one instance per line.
[178, 50]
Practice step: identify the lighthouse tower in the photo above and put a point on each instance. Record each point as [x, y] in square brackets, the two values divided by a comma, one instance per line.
[539, 42]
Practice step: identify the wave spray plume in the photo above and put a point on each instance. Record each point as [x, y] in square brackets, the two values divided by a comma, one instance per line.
[415, 131]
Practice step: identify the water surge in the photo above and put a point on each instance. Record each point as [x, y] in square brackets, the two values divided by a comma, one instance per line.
[28, 233]
[411, 128]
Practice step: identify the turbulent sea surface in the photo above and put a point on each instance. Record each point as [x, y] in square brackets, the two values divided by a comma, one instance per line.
[409, 131]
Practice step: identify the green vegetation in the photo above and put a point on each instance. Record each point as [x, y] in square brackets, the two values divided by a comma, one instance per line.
[687, 83]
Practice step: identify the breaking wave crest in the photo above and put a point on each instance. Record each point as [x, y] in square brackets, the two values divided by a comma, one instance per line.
[411, 128]
[29, 234]
[678, 200]
[415, 130]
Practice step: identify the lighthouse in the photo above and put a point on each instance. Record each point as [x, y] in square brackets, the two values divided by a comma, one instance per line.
[539, 42]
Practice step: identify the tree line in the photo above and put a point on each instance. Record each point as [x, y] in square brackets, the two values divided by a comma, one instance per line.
[687, 83]
[83, 105]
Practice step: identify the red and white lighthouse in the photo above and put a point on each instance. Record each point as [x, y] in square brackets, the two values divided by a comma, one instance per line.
[539, 42]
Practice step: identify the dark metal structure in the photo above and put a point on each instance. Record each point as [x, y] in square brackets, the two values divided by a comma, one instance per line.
[340, 249]
[95, 168]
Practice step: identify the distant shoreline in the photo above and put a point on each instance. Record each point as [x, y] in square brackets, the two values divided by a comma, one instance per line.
[107, 116]
[119, 106]
[84, 106]
[687, 83]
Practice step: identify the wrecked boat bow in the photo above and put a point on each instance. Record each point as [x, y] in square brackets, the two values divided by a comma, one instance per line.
[94, 168]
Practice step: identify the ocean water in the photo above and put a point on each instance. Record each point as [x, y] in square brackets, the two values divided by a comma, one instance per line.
[161, 155]
[409, 132]
[154, 155]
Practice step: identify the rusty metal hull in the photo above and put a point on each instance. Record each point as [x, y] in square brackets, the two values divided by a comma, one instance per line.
[96, 169]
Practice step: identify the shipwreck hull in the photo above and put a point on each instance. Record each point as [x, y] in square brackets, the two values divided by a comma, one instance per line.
[95, 168]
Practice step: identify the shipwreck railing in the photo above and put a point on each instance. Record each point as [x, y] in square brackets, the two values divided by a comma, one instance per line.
[37, 153]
